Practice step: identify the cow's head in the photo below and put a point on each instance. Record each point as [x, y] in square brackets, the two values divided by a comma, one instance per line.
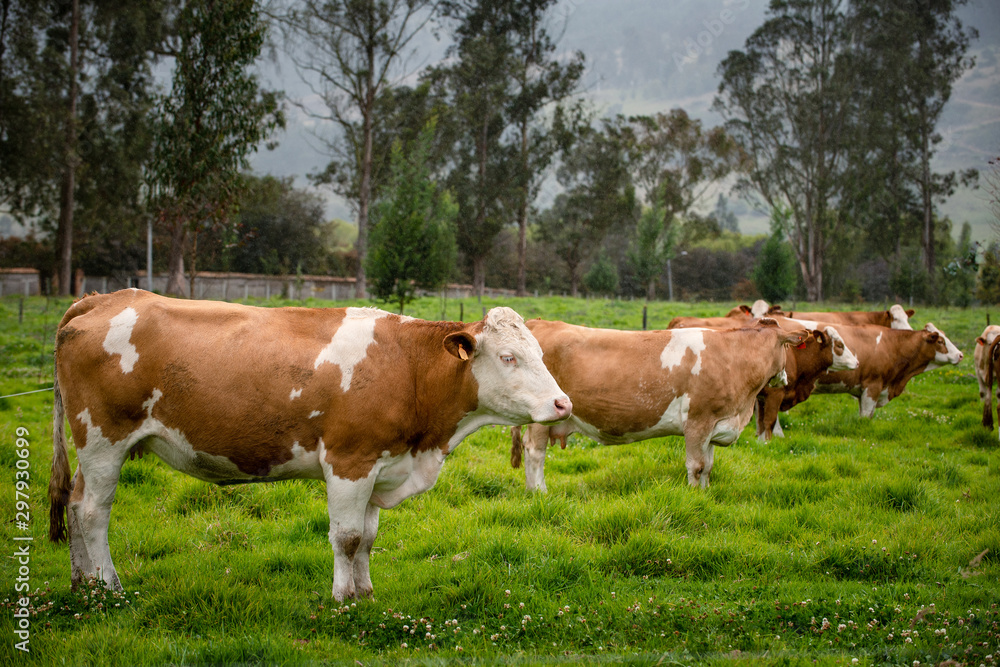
[843, 358]
[900, 318]
[945, 351]
[514, 384]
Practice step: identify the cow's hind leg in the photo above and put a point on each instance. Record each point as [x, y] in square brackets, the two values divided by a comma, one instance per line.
[89, 513]
[80, 564]
[362, 575]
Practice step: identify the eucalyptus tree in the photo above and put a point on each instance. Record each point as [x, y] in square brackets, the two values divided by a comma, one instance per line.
[543, 123]
[211, 121]
[914, 52]
[75, 91]
[790, 99]
[348, 52]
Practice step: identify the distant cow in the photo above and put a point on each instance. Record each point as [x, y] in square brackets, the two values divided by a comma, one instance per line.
[983, 357]
[369, 402]
[760, 308]
[888, 358]
[894, 318]
[633, 385]
[824, 351]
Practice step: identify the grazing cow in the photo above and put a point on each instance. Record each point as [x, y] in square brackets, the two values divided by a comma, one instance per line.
[888, 358]
[894, 318]
[824, 350]
[984, 360]
[633, 385]
[367, 401]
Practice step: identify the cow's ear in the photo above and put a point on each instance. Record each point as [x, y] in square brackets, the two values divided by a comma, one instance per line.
[980, 340]
[795, 338]
[819, 336]
[910, 312]
[931, 336]
[460, 344]
[774, 310]
[745, 308]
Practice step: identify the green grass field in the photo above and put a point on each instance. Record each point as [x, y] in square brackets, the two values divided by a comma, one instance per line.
[848, 541]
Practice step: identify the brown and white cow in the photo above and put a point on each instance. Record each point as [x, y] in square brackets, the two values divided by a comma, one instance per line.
[633, 385]
[894, 318]
[760, 308]
[367, 401]
[983, 357]
[823, 351]
[888, 358]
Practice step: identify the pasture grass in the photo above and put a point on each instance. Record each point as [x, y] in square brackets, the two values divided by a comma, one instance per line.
[848, 539]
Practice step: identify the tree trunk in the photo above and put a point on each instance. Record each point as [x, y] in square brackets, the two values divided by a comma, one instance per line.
[479, 276]
[651, 290]
[365, 186]
[175, 263]
[522, 218]
[64, 235]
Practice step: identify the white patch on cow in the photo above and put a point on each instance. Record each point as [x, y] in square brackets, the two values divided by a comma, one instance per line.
[900, 320]
[314, 413]
[148, 404]
[303, 464]
[117, 340]
[295, 394]
[406, 475]
[878, 339]
[515, 393]
[349, 345]
[682, 340]
[868, 404]
[883, 399]
[728, 430]
[841, 362]
[759, 308]
[952, 355]
[808, 324]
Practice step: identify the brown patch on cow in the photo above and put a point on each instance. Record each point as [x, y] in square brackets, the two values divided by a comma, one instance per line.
[349, 542]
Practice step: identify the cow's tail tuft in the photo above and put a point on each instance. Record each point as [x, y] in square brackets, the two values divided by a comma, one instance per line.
[59, 483]
[516, 447]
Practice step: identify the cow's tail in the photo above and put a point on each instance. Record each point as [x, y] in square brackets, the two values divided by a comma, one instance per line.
[59, 483]
[516, 447]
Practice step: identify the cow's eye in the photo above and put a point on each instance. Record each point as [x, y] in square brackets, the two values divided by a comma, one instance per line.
[508, 359]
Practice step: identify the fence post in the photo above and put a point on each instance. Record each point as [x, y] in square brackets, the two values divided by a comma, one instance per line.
[644, 318]
[461, 312]
[20, 312]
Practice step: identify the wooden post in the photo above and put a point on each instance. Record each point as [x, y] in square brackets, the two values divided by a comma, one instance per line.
[20, 312]
[644, 319]
[461, 311]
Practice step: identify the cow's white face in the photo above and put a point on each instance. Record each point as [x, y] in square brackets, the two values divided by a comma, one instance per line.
[946, 352]
[843, 358]
[514, 383]
[759, 308]
[900, 320]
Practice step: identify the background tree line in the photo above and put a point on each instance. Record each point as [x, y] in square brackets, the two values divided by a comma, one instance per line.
[488, 166]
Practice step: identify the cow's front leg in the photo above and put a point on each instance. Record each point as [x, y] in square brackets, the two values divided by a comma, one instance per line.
[700, 453]
[869, 399]
[536, 441]
[346, 502]
[362, 575]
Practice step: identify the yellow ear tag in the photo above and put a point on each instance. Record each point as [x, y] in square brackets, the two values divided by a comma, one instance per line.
[462, 354]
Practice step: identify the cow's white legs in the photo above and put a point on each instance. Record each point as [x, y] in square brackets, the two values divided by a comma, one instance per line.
[536, 440]
[347, 504]
[80, 563]
[362, 576]
[89, 513]
[700, 454]
[869, 400]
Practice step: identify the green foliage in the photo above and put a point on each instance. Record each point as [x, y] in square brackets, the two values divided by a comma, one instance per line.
[774, 273]
[988, 288]
[602, 278]
[652, 248]
[413, 238]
